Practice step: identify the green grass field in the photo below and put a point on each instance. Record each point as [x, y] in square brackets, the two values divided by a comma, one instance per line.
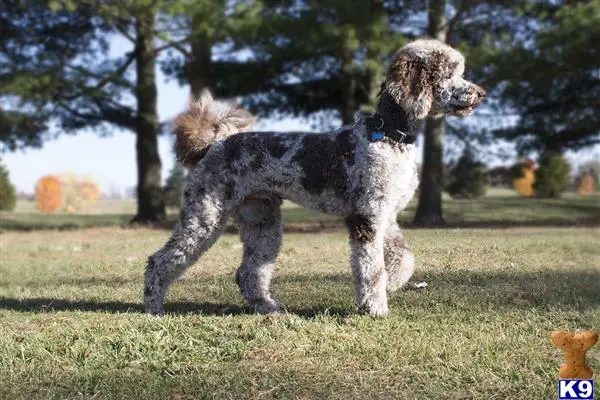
[71, 325]
[501, 208]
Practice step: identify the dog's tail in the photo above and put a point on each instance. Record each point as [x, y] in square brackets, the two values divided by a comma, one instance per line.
[203, 124]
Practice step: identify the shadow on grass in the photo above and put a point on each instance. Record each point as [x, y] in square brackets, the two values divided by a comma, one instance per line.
[50, 305]
[26, 222]
[336, 225]
[514, 290]
[579, 290]
[510, 223]
[45, 304]
[487, 212]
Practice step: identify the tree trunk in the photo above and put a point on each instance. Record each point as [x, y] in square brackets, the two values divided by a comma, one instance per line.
[199, 66]
[429, 210]
[348, 104]
[436, 24]
[151, 206]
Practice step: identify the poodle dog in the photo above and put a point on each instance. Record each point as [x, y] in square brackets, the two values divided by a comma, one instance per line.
[365, 171]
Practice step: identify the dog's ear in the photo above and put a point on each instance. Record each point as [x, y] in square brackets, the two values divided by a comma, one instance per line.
[408, 82]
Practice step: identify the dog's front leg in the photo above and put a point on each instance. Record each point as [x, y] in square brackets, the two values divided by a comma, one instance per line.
[368, 268]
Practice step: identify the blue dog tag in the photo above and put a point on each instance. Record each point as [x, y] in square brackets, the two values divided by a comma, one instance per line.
[377, 135]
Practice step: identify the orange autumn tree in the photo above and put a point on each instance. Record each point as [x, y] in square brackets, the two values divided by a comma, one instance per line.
[525, 178]
[75, 193]
[587, 184]
[79, 193]
[89, 191]
[48, 194]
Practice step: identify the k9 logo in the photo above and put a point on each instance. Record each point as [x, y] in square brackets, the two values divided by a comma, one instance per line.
[576, 389]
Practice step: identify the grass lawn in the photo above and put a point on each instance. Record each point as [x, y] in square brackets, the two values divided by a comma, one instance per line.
[501, 208]
[71, 326]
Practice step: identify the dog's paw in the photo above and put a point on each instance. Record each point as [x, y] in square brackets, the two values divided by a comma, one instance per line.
[267, 307]
[375, 308]
[157, 312]
[379, 310]
[153, 307]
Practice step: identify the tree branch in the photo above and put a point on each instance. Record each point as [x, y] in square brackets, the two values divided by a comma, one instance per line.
[124, 117]
[177, 45]
[123, 31]
[70, 110]
[118, 73]
[103, 81]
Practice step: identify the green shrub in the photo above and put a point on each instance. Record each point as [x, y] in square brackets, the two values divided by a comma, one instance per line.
[8, 195]
[174, 186]
[553, 175]
[468, 178]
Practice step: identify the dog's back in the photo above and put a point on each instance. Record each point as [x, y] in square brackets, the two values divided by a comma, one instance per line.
[311, 169]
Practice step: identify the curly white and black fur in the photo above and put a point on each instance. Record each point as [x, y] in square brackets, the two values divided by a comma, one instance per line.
[368, 179]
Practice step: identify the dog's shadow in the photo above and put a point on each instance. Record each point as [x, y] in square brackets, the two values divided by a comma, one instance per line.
[45, 304]
[494, 290]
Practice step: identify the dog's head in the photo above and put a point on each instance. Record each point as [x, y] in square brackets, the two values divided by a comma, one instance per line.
[426, 79]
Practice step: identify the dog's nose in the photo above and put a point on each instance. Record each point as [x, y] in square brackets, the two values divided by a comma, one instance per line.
[480, 92]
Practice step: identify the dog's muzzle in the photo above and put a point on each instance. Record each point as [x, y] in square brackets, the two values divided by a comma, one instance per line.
[466, 101]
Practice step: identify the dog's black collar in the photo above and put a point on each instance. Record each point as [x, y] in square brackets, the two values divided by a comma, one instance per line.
[378, 130]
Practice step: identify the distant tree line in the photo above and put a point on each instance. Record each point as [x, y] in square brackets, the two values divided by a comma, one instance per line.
[321, 60]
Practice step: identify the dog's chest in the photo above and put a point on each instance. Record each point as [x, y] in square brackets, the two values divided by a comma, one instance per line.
[397, 169]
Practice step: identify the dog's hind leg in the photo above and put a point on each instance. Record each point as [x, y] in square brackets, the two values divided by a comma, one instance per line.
[199, 227]
[399, 260]
[260, 230]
